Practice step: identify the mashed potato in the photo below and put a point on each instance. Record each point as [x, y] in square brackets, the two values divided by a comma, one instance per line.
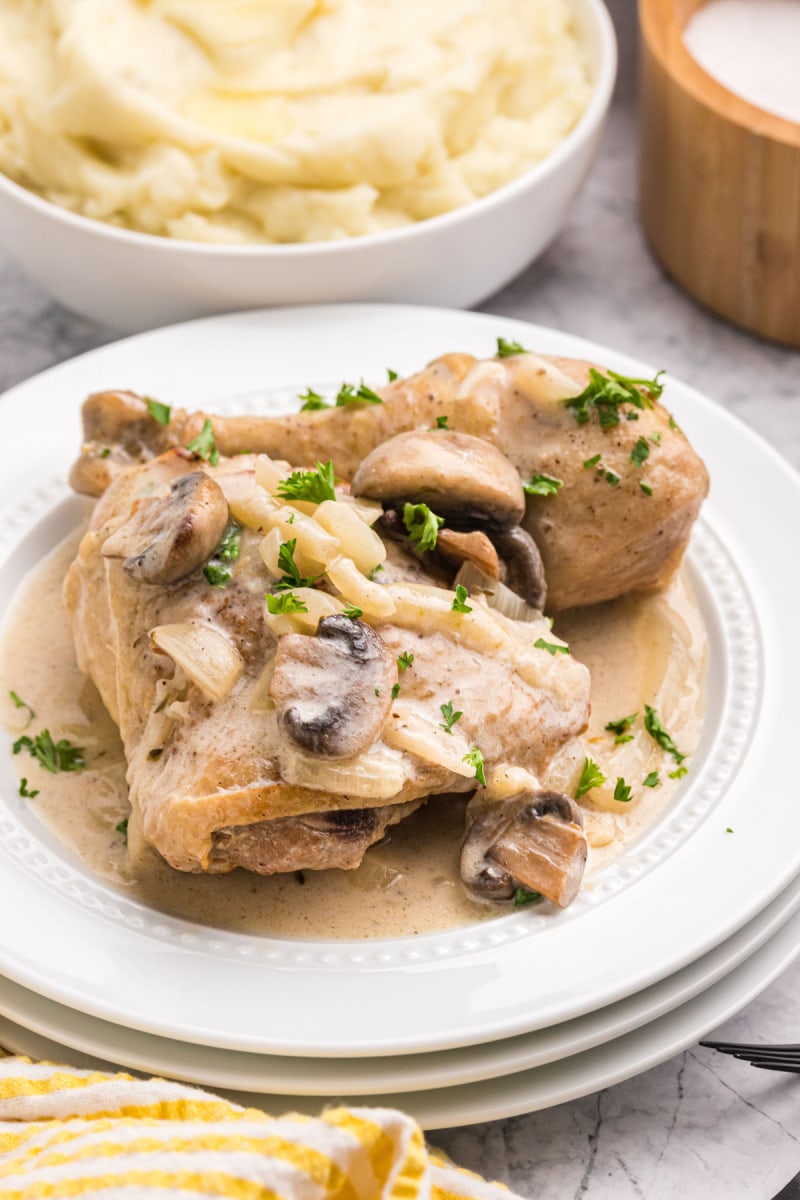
[281, 120]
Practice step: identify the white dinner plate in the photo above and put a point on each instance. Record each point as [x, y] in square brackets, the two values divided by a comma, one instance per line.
[530, 1090]
[669, 899]
[280, 1074]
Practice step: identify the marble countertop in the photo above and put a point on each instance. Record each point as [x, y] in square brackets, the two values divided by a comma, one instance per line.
[699, 1124]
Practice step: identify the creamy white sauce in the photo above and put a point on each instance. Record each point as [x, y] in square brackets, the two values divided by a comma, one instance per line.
[647, 649]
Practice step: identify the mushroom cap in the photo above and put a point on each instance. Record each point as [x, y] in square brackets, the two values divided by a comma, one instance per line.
[334, 690]
[464, 479]
[533, 840]
[524, 566]
[168, 537]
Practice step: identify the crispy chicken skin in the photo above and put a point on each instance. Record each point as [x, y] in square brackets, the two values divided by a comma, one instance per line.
[208, 777]
[597, 540]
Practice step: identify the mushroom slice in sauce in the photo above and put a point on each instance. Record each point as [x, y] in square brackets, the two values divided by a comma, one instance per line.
[464, 479]
[524, 566]
[534, 840]
[168, 537]
[333, 691]
[475, 547]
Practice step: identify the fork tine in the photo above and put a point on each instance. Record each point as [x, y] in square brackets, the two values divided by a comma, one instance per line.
[792, 1068]
[735, 1047]
[769, 1053]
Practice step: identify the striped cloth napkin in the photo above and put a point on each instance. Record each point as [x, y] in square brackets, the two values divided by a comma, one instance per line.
[66, 1132]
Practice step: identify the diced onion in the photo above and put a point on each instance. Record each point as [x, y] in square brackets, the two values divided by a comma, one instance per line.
[356, 539]
[506, 780]
[374, 776]
[270, 473]
[318, 605]
[498, 596]
[368, 510]
[430, 610]
[254, 509]
[409, 731]
[373, 599]
[314, 547]
[260, 699]
[207, 656]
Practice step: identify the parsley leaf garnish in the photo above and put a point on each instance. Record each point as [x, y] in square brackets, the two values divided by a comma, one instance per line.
[395, 690]
[622, 791]
[53, 756]
[591, 777]
[105, 452]
[460, 602]
[291, 575]
[24, 790]
[158, 411]
[522, 897]
[286, 602]
[621, 726]
[391, 374]
[542, 485]
[646, 488]
[679, 772]
[314, 486]
[652, 724]
[216, 571]
[505, 348]
[592, 462]
[551, 647]
[422, 525]
[375, 572]
[611, 477]
[349, 395]
[441, 422]
[217, 574]
[405, 660]
[205, 445]
[606, 394]
[640, 451]
[122, 827]
[655, 438]
[475, 759]
[352, 611]
[20, 703]
[450, 717]
[651, 780]
[312, 401]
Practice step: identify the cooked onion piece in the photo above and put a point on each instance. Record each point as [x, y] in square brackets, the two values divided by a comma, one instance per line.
[430, 610]
[377, 775]
[254, 509]
[373, 599]
[410, 731]
[368, 510]
[207, 656]
[355, 538]
[270, 473]
[317, 605]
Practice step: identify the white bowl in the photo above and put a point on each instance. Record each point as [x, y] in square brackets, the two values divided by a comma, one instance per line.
[136, 281]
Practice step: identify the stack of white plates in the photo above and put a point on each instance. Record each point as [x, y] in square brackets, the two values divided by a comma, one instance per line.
[511, 1015]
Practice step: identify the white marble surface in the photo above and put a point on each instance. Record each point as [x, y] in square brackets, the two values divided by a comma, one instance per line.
[699, 1125]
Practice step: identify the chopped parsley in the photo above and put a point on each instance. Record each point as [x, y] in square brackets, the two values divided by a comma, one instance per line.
[475, 759]
[621, 726]
[729, 830]
[314, 486]
[291, 575]
[405, 660]
[312, 401]
[596, 463]
[450, 717]
[651, 780]
[286, 602]
[640, 452]
[591, 777]
[622, 791]
[673, 424]
[352, 611]
[53, 756]
[505, 348]
[679, 772]
[105, 452]
[158, 411]
[592, 462]
[441, 422]
[217, 571]
[350, 395]
[652, 724]
[551, 647]
[646, 488]
[205, 444]
[607, 394]
[392, 375]
[377, 691]
[422, 525]
[611, 477]
[522, 897]
[122, 827]
[542, 485]
[20, 703]
[655, 438]
[375, 572]
[25, 792]
[460, 602]
[395, 690]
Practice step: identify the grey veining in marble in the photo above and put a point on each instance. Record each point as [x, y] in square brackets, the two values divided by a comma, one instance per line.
[700, 1126]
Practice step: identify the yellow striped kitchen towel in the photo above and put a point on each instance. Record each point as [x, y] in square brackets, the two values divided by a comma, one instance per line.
[66, 1132]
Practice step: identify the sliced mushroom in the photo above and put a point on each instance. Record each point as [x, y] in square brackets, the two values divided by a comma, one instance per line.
[462, 478]
[168, 537]
[534, 840]
[333, 691]
[524, 566]
[475, 547]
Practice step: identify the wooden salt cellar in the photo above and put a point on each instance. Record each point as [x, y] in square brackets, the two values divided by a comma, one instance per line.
[719, 184]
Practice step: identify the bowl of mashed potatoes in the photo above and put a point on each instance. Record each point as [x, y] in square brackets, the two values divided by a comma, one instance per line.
[163, 159]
